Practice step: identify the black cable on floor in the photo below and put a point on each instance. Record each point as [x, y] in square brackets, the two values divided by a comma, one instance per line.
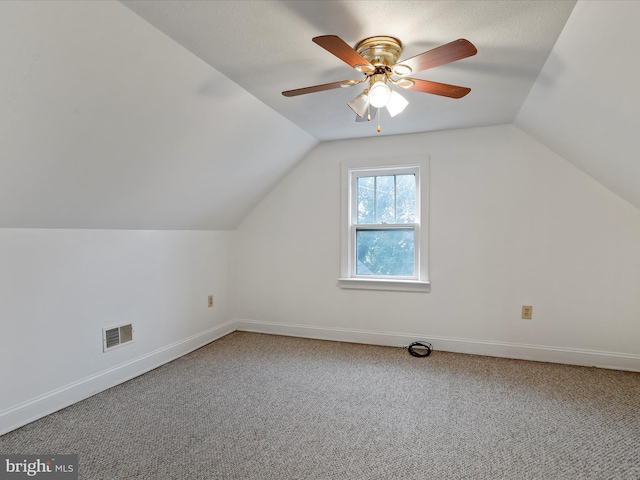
[423, 345]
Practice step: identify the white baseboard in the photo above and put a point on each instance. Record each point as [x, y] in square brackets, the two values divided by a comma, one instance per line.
[67, 395]
[62, 397]
[539, 353]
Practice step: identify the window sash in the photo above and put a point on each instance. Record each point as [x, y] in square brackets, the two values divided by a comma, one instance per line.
[374, 192]
[385, 227]
[381, 172]
[354, 226]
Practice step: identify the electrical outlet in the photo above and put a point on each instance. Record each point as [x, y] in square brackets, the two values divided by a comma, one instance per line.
[210, 299]
[527, 312]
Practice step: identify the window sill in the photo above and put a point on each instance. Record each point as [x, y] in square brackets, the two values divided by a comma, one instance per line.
[383, 284]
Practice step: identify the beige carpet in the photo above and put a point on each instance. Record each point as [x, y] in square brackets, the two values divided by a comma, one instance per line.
[252, 406]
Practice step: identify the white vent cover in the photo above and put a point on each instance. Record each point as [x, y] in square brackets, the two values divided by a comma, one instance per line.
[115, 336]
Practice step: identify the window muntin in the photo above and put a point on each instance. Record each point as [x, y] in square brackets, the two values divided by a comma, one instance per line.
[386, 198]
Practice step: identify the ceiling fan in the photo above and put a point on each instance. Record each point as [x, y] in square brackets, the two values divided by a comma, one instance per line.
[377, 59]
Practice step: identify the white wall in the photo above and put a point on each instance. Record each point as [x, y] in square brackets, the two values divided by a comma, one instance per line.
[511, 224]
[59, 288]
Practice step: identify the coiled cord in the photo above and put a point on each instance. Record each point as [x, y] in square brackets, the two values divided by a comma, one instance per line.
[423, 345]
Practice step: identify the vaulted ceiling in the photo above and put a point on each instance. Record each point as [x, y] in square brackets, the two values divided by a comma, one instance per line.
[107, 123]
[585, 104]
[168, 114]
[266, 47]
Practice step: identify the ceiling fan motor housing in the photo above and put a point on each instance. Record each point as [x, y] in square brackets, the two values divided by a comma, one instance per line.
[380, 51]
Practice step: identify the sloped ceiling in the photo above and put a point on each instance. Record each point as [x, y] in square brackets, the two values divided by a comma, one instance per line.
[586, 104]
[107, 123]
[168, 115]
[266, 48]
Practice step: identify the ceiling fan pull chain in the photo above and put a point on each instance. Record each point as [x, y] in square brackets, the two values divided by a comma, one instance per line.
[379, 122]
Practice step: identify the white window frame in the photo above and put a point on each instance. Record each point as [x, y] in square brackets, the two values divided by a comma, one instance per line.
[350, 170]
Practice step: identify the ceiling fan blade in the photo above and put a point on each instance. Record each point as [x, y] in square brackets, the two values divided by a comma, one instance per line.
[447, 53]
[342, 50]
[435, 88]
[315, 88]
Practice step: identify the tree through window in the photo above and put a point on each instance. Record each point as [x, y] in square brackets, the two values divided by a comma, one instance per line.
[384, 224]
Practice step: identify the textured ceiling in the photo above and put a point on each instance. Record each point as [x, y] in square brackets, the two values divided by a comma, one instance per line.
[266, 48]
[171, 116]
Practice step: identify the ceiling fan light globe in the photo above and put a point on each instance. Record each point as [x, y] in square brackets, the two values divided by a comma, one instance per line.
[359, 104]
[379, 94]
[396, 104]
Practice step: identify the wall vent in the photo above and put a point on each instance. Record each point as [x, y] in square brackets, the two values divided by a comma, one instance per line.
[116, 336]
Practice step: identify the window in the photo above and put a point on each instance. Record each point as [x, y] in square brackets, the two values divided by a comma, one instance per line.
[384, 233]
